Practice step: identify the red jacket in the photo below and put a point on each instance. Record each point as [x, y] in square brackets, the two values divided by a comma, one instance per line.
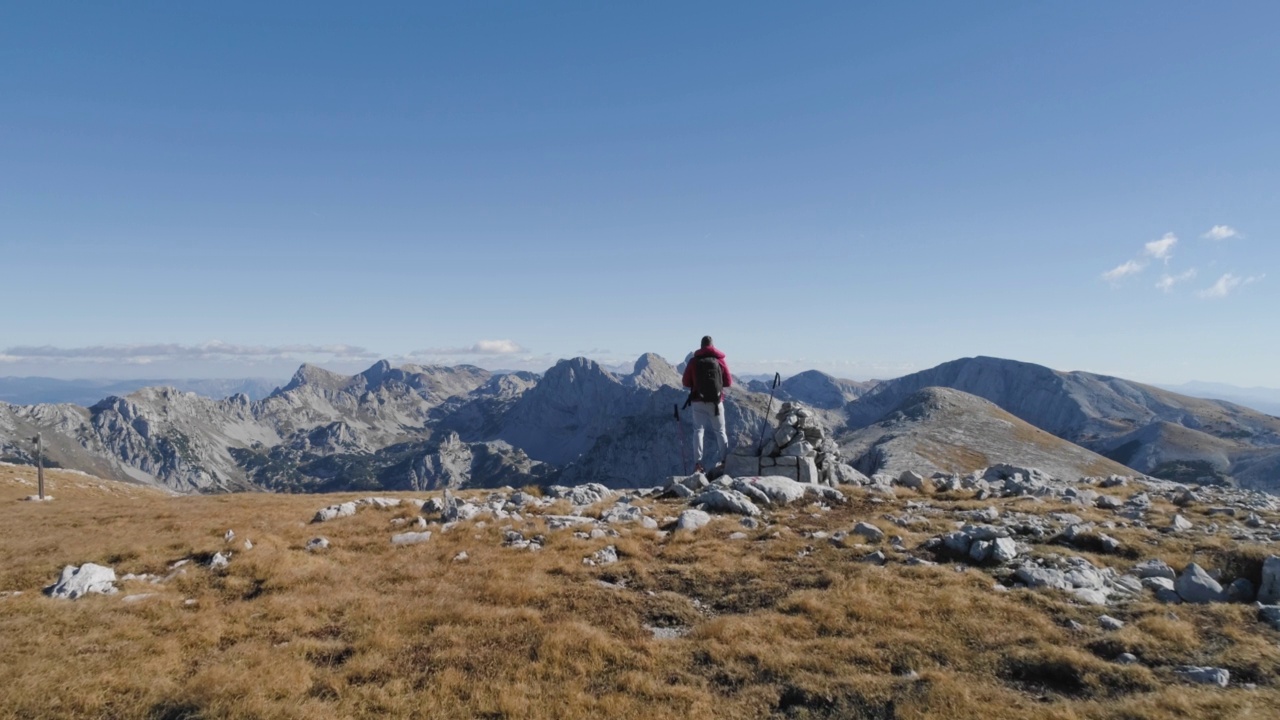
[687, 380]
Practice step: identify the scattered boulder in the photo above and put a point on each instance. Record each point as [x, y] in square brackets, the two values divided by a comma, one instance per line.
[76, 582]
[1039, 577]
[582, 495]
[219, 561]
[725, 500]
[1003, 550]
[411, 538]
[1269, 591]
[913, 481]
[1163, 588]
[692, 519]
[1108, 502]
[1109, 623]
[1154, 567]
[560, 522]
[1270, 614]
[1186, 498]
[1180, 524]
[1203, 675]
[625, 513]
[1240, 591]
[869, 531]
[782, 490]
[317, 543]
[1197, 586]
[333, 512]
[604, 556]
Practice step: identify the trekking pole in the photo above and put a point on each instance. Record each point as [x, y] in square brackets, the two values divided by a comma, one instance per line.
[684, 461]
[777, 380]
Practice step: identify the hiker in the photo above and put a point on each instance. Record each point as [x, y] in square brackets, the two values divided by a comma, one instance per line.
[706, 376]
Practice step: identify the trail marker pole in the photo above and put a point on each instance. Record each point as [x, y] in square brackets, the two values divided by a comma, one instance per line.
[777, 380]
[684, 461]
[40, 464]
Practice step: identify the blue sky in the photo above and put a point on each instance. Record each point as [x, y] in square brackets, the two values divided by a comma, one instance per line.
[228, 189]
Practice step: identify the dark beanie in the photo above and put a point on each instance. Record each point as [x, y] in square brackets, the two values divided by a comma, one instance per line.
[706, 341]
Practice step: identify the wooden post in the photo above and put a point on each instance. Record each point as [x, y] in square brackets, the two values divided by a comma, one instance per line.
[40, 464]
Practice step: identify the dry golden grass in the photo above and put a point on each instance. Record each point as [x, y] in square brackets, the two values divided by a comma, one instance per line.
[778, 624]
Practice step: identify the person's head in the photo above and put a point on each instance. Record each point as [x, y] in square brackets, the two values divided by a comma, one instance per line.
[706, 341]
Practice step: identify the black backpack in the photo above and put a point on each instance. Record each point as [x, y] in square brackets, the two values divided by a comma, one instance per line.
[708, 380]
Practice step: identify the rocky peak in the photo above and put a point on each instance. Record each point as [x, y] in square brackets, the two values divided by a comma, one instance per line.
[816, 388]
[652, 372]
[575, 371]
[313, 375]
[377, 373]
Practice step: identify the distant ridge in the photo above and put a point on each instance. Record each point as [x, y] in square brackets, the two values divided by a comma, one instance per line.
[42, 390]
[421, 427]
[1111, 416]
[938, 429]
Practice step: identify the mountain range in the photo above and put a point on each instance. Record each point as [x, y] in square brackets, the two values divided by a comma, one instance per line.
[35, 390]
[425, 427]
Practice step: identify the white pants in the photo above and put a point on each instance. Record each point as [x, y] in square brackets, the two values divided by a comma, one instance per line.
[704, 417]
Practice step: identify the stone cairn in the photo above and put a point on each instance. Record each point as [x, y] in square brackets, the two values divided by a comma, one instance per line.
[799, 448]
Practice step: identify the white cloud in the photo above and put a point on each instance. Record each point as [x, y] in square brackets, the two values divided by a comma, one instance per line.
[1227, 284]
[482, 347]
[1162, 248]
[1222, 288]
[161, 352]
[1167, 281]
[1133, 267]
[1220, 232]
[496, 347]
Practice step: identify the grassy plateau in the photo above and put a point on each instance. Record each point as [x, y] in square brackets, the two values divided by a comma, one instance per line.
[776, 623]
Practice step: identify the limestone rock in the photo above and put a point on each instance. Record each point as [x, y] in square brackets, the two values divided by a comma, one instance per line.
[848, 475]
[1269, 591]
[727, 501]
[980, 550]
[1109, 623]
[1196, 586]
[777, 490]
[411, 538]
[1003, 550]
[582, 495]
[1039, 577]
[1270, 614]
[1203, 675]
[318, 543]
[914, 481]
[621, 513]
[1154, 568]
[76, 582]
[604, 556]
[692, 519]
[332, 512]
[1240, 591]
[869, 531]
